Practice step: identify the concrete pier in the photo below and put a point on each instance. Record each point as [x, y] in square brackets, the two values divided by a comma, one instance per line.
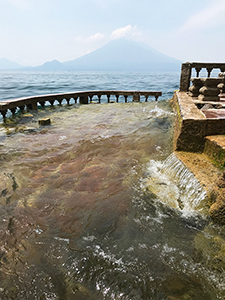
[200, 129]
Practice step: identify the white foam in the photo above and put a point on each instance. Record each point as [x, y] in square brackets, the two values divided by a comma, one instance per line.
[158, 112]
[174, 184]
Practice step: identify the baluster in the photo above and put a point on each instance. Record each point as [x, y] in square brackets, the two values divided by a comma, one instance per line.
[108, 97]
[52, 102]
[32, 106]
[42, 103]
[117, 98]
[60, 101]
[136, 97]
[84, 99]
[3, 112]
[13, 110]
[67, 101]
[75, 99]
[146, 98]
[91, 97]
[197, 71]
[209, 70]
[156, 98]
[22, 108]
[125, 96]
[99, 98]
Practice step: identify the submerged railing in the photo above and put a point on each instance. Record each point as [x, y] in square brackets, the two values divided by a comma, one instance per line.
[186, 72]
[86, 97]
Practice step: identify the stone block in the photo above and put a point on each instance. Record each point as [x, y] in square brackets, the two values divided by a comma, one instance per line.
[215, 127]
[44, 122]
[208, 98]
[211, 82]
[209, 91]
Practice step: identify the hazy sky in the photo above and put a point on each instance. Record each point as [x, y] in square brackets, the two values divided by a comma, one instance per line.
[35, 31]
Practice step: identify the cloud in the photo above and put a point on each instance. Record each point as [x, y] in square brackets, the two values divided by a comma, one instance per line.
[211, 16]
[91, 39]
[127, 31]
[96, 37]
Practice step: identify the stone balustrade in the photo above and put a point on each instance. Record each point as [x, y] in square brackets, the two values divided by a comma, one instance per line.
[86, 97]
[210, 91]
[207, 89]
[186, 72]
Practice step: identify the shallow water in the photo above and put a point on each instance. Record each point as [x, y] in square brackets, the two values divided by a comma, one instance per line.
[83, 216]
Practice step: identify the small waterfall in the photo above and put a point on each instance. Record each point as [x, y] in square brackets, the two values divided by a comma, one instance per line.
[175, 185]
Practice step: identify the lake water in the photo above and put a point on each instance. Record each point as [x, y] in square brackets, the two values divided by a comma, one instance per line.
[97, 206]
[22, 84]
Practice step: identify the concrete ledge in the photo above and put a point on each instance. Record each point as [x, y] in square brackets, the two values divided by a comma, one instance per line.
[192, 125]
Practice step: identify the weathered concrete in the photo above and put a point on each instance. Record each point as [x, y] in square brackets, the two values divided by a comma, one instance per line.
[196, 85]
[44, 122]
[203, 131]
[193, 124]
[210, 91]
[187, 68]
[190, 125]
[217, 209]
[215, 149]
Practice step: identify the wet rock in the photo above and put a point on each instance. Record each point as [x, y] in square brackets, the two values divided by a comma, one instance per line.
[44, 122]
[26, 118]
[10, 131]
[217, 210]
[8, 185]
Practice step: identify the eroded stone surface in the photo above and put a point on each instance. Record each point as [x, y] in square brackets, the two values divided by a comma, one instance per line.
[215, 149]
[193, 125]
[217, 210]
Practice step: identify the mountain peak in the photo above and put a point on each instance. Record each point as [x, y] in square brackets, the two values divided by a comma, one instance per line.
[124, 55]
[6, 64]
[53, 65]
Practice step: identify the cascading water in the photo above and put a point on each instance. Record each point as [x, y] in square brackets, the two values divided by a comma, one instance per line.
[175, 185]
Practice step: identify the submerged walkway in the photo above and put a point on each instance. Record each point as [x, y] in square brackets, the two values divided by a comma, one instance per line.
[82, 97]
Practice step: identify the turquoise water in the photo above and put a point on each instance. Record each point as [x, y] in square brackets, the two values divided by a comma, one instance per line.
[90, 206]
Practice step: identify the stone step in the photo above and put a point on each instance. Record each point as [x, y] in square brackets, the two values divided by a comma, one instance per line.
[215, 149]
